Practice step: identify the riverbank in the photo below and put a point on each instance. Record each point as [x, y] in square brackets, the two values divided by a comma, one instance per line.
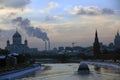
[20, 73]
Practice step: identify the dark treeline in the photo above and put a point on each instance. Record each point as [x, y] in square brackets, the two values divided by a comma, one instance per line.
[4, 52]
[10, 62]
[109, 55]
[105, 55]
[61, 57]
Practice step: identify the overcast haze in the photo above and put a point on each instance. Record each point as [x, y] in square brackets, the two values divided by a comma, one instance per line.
[61, 21]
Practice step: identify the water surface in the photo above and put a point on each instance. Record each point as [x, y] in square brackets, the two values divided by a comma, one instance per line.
[68, 71]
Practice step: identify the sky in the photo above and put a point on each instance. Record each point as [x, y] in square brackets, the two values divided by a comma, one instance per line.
[60, 21]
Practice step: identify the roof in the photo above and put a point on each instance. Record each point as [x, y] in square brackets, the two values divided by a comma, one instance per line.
[17, 34]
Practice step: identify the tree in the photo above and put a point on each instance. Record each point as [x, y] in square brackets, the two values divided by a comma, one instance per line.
[4, 51]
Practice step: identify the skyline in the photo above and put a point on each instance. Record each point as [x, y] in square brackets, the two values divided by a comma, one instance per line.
[75, 21]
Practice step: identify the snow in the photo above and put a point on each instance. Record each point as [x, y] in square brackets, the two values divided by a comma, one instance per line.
[22, 73]
[13, 54]
[2, 57]
[103, 64]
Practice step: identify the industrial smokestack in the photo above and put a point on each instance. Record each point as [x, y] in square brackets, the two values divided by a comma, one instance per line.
[45, 46]
[31, 30]
[48, 44]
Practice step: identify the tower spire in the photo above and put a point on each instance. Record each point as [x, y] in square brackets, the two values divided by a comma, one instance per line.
[96, 45]
[117, 40]
[117, 32]
[96, 37]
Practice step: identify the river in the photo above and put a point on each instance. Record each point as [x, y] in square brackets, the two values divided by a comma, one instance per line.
[68, 71]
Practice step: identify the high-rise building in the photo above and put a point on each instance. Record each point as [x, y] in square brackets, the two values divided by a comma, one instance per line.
[96, 45]
[117, 41]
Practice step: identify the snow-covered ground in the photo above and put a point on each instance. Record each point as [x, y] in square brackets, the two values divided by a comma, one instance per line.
[22, 73]
[102, 64]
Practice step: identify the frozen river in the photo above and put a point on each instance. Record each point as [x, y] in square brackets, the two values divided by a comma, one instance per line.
[68, 71]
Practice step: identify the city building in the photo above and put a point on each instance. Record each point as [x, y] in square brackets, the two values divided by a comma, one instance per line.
[17, 46]
[117, 41]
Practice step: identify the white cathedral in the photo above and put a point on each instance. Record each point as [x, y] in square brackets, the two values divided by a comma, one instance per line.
[18, 47]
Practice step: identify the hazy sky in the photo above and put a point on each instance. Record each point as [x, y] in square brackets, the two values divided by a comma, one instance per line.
[63, 21]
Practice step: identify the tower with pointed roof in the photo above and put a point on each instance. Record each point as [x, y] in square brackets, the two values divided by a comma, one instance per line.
[117, 40]
[96, 45]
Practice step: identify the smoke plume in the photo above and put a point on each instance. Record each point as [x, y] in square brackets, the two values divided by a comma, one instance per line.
[30, 30]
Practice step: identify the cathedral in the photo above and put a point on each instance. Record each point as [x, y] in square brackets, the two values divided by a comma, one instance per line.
[17, 46]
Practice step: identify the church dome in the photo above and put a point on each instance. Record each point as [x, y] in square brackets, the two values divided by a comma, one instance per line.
[16, 35]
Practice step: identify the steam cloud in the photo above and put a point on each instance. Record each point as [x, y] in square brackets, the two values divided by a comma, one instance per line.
[30, 30]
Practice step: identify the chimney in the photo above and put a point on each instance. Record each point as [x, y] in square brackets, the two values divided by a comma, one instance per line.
[45, 46]
[48, 44]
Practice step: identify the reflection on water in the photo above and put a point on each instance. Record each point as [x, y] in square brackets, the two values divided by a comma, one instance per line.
[69, 72]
